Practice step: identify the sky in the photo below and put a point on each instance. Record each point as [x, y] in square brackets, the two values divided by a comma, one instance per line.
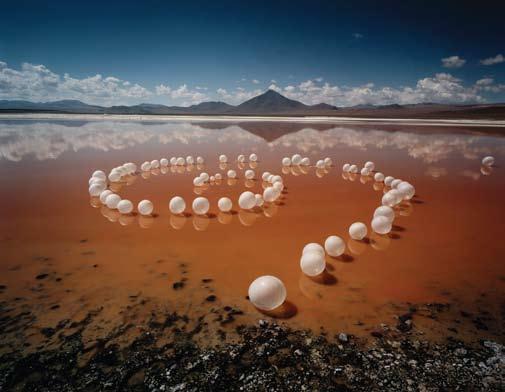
[181, 53]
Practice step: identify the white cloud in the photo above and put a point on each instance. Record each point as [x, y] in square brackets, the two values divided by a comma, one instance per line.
[319, 79]
[453, 62]
[255, 81]
[488, 85]
[499, 58]
[357, 35]
[161, 89]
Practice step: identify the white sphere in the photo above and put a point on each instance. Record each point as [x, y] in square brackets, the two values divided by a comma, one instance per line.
[112, 200]
[145, 207]
[93, 180]
[181, 161]
[388, 180]
[259, 199]
[241, 158]
[114, 176]
[313, 247]
[125, 206]
[386, 212]
[270, 194]
[353, 169]
[334, 246]
[253, 157]
[370, 165]
[488, 161]
[395, 183]
[265, 176]
[296, 159]
[328, 161]
[224, 204]
[204, 176]
[223, 158]
[275, 179]
[190, 160]
[267, 292]
[305, 161]
[407, 190]
[397, 195]
[212, 178]
[218, 176]
[231, 173]
[164, 162]
[200, 206]
[269, 178]
[132, 167]
[198, 181]
[146, 166]
[320, 164]
[95, 189]
[312, 263]
[155, 164]
[358, 231]
[286, 161]
[279, 186]
[173, 161]
[247, 200]
[346, 168]
[177, 205]
[381, 225]
[99, 174]
[104, 195]
[365, 172]
[388, 200]
[379, 177]
[199, 160]
[249, 174]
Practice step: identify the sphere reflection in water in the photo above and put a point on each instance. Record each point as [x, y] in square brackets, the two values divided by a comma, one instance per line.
[145, 221]
[247, 218]
[201, 222]
[270, 210]
[379, 242]
[267, 292]
[224, 218]
[486, 170]
[177, 221]
[95, 202]
[111, 215]
[356, 247]
[126, 220]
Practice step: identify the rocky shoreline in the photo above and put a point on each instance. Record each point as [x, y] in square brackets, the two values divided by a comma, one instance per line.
[262, 357]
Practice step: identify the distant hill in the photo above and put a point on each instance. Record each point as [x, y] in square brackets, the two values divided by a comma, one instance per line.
[270, 103]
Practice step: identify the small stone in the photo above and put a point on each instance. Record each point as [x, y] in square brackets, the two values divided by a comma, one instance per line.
[343, 337]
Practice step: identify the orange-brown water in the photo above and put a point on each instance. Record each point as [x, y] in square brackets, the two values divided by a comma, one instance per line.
[446, 245]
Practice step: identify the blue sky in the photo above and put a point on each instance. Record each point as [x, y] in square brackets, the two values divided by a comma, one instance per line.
[344, 53]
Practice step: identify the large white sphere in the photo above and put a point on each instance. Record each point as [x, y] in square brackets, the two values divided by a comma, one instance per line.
[231, 173]
[407, 190]
[386, 212]
[346, 168]
[247, 200]
[241, 158]
[397, 195]
[223, 158]
[296, 159]
[224, 204]
[249, 174]
[365, 171]
[96, 188]
[328, 161]
[200, 206]
[145, 207]
[267, 292]
[313, 247]
[358, 231]
[218, 176]
[146, 166]
[381, 225]
[204, 176]
[125, 206]
[265, 176]
[199, 160]
[259, 199]
[305, 162]
[177, 205]
[190, 160]
[114, 175]
[388, 200]
[388, 180]
[370, 165]
[164, 162]
[253, 157]
[198, 181]
[379, 177]
[320, 164]
[395, 183]
[99, 174]
[488, 161]
[312, 263]
[270, 194]
[279, 186]
[112, 200]
[181, 161]
[334, 245]
[104, 195]
[94, 180]
[286, 161]
[155, 164]
[275, 179]
[132, 167]
[173, 161]
[353, 169]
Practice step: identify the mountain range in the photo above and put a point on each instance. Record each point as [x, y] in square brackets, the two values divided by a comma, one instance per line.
[270, 103]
